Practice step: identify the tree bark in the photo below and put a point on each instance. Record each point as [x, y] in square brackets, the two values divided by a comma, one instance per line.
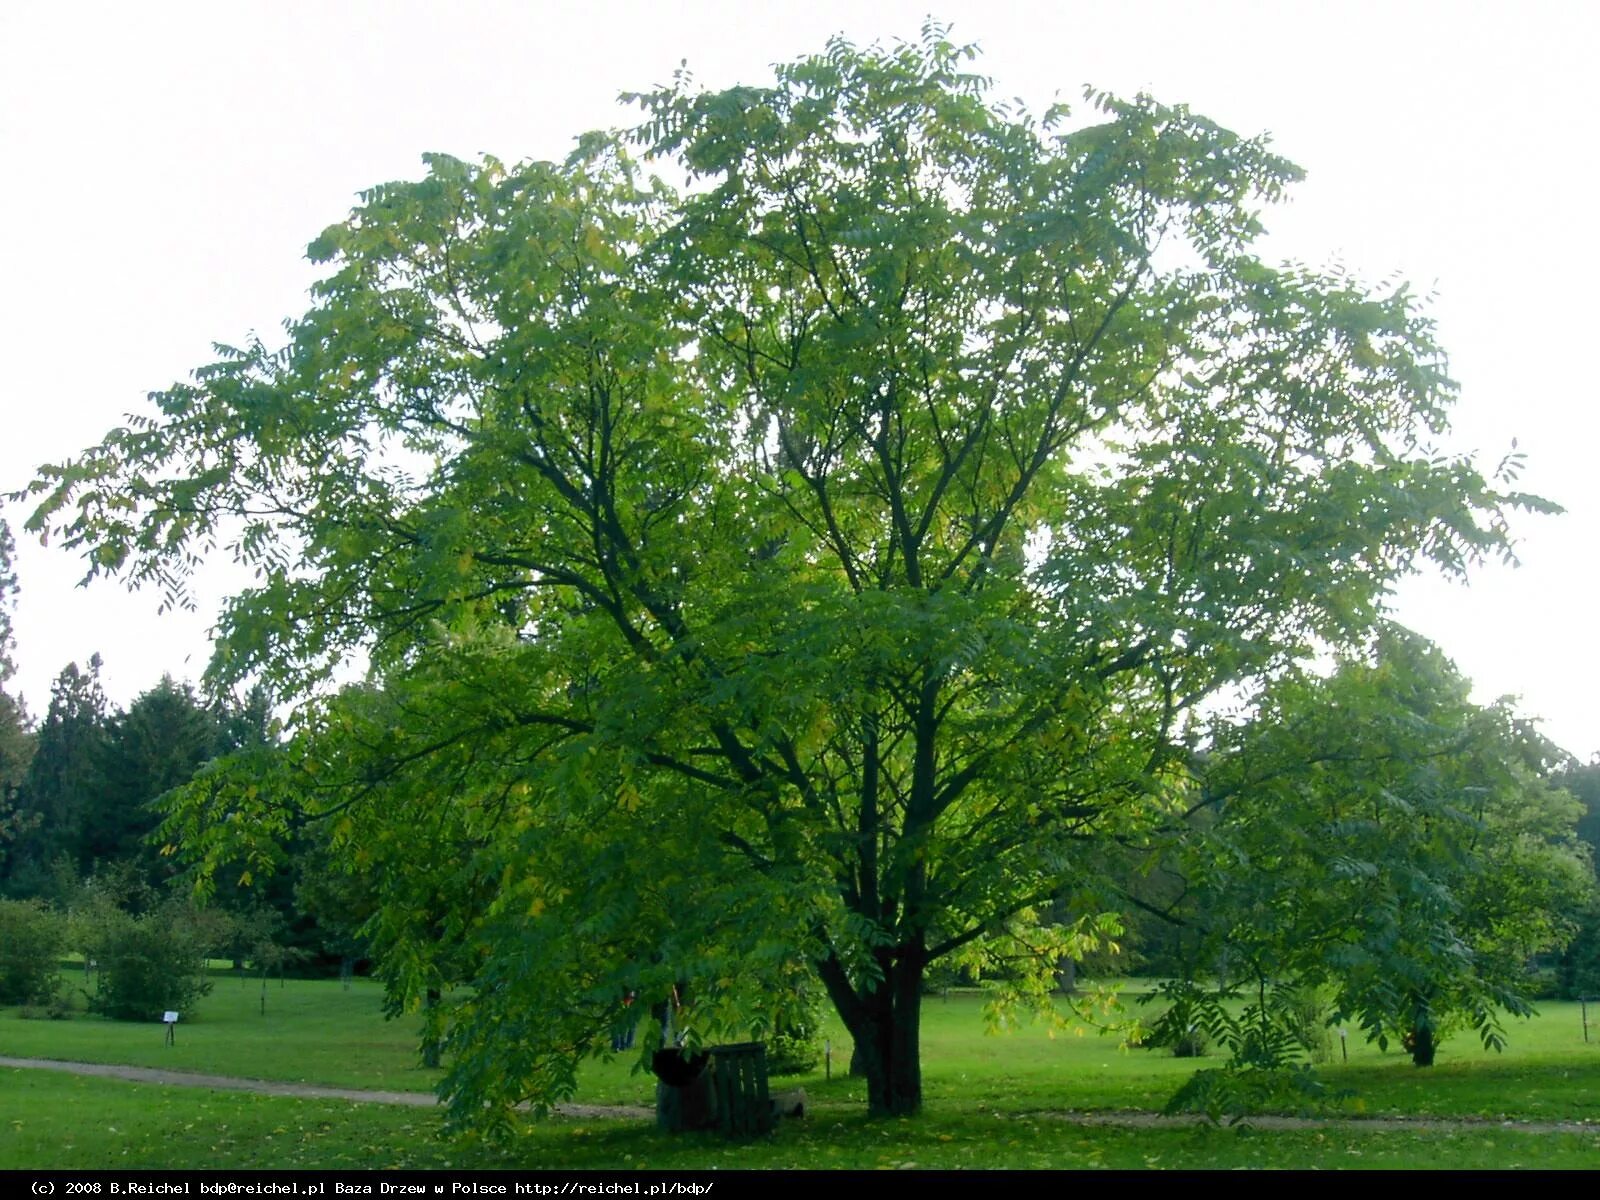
[858, 1059]
[1419, 1039]
[431, 1052]
[886, 1026]
[1067, 976]
[1422, 1046]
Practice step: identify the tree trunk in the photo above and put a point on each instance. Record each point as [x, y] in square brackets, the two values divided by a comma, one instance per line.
[1067, 976]
[1419, 1039]
[1422, 1046]
[858, 1060]
[886, 1026]
[431, 1052]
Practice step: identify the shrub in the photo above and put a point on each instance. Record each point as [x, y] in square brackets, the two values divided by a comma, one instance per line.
[793, 1052]
[31, 942]
[56, 1008]
[150, 965]
[794, 1040]
[1237, 1092]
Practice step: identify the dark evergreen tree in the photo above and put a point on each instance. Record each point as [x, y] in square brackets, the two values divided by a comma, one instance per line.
[1578, 972]
[157, 745]
[16, 751]
[243, 725]
[8, 592]
[1584, 784]
[63, 780]
[16, 739]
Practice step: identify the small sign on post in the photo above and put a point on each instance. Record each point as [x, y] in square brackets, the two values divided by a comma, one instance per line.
[170, 1019]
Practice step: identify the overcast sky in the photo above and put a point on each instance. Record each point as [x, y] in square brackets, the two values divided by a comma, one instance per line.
[162, 166]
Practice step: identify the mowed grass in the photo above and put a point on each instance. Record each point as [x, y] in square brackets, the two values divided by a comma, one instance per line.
[320, 1032]
[989, 1099]
[312, 1031]
[1545, 1073]
[57, 1121]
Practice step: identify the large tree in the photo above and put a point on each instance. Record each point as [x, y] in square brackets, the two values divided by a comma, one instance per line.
[818, 559]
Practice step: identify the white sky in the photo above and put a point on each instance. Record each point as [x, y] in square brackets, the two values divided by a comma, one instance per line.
[162, 166]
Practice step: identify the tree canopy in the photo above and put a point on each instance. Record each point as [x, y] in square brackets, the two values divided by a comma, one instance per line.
[815, 560]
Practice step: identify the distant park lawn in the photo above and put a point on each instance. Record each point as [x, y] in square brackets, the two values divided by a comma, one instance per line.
[988, 1099]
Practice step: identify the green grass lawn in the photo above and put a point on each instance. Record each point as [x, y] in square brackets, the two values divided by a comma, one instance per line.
[987, 1096]
[49, 1120]
[313, 1031]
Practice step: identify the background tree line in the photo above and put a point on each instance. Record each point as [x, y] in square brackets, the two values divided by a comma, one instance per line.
[79, 811]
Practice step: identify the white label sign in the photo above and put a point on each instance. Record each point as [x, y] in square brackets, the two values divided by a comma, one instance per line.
[169, 1017]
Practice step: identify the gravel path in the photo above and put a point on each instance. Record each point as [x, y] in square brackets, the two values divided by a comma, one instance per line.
[634, 1112]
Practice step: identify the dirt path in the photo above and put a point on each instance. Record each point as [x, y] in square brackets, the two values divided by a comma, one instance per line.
[1121, 1120]
[305, 1091]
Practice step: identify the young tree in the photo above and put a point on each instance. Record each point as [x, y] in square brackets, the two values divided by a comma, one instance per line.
[815, 561]
[1379, 836]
